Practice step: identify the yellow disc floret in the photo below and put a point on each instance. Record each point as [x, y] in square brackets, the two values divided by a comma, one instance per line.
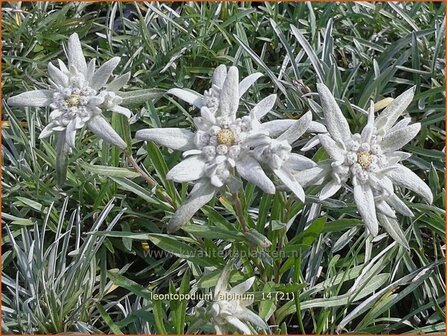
[73, 100]
[364, 159]
[225, 137]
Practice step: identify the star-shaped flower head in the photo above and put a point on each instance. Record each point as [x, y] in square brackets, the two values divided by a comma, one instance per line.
[274, 151]
[224, 144]
[78, 96]
[369, 161]
[229, 308]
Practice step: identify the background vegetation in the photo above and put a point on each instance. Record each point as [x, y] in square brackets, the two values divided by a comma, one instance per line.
[73, 261]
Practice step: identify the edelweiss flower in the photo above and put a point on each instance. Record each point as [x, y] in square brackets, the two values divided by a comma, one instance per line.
[369, 160]
[275, 153]
[230, 306]
[78, 97]
[224, 143]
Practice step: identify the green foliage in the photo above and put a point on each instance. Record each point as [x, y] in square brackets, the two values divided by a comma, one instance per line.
[77, 275]
[55, 287]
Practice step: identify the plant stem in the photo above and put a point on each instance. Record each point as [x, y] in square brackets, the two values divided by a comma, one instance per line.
[279, 249]
[297, 296]
[239, 212]
[149, 179]
[152, 183]
[61, 159]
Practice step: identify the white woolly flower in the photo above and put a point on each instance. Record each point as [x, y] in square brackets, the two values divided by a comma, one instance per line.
[224, 144]
[369, 161]
[78, 96]
[229, 308]
[276, 153]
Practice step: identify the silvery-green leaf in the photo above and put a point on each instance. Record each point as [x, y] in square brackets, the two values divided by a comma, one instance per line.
[242, 327]
[396, 156]
[312, 176]
[385, 209]
[250, 169]
[122, 110]
[96, 100]
[175, 138]
[229, 95]
[336, 123]
[47, 131]
[70, 133]
[219, 330]
[75, 55]
[191, 97]
[109, 170]
[331, 147]
[191, 152]
[248, 81]
[219, 75]
[291, 183]
[368, 130]
[190, 169]
[276, 127]
[364, 199]
[118, 83]
[392, 227]
[102, 129]
[344, 239]
[319, 70]
[263, 107]
[251, 317]
[413, 280]
[36, 98]
[91, 66]
[399, 138]
[222, 281]
[102, 75]
[58, 77]
[400, 124]
[243, 286]
[383, 183]
[139, 96]
[256, 140]
[79, 122]
[368, 270]
[379, 125]
[404, 177]
[200, 195]
[297, 129]
[63, 67]
[297, 162]
[392, 112]
[329, 189]
[399, 206]
[316, 127]
[314, 141]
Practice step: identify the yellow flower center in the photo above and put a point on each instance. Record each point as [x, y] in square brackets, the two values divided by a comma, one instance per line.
[73, 100]
[364, 159]
[225, 137]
